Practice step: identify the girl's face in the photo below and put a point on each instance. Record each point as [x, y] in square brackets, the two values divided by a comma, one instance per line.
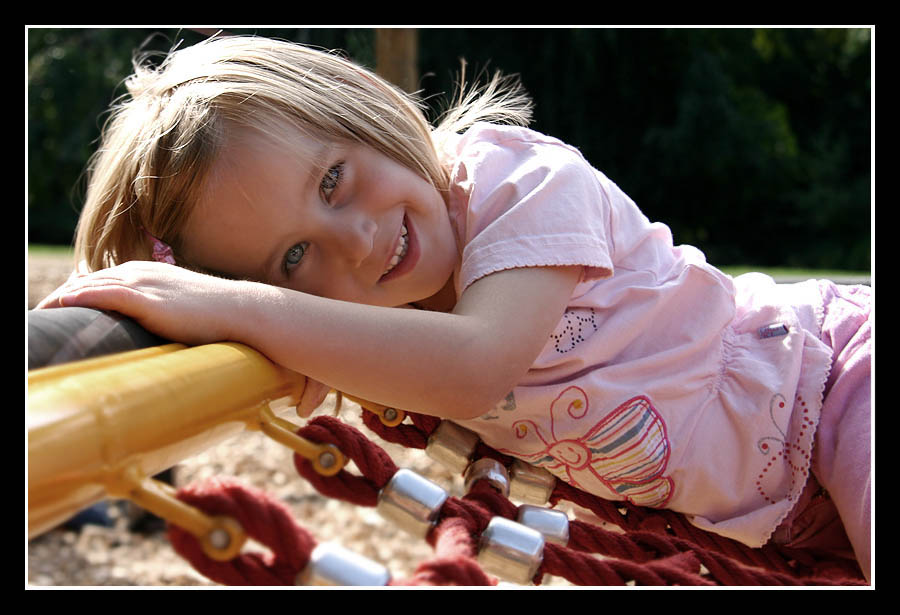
[342, 222]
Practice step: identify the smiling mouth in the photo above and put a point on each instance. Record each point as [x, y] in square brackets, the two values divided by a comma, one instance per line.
[399, 251]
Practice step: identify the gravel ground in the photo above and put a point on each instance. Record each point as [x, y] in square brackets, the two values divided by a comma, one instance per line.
[117, 556]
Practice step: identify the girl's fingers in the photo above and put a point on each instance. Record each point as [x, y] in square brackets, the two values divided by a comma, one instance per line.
[96, 289]
[53, 300]
[314, 393]
[174, 303]
[80, 280]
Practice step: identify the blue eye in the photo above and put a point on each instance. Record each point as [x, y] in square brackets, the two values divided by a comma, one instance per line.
[293, 256]
[331, 179]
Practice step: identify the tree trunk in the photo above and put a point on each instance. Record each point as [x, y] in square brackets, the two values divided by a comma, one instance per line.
[396, 56]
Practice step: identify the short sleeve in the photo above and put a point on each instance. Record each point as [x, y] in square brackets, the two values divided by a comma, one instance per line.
[520, 199]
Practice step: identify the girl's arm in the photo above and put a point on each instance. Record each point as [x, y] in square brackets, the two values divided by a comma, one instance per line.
[454, 365]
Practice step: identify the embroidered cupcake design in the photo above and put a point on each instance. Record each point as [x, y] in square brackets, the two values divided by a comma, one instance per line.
[627, 450]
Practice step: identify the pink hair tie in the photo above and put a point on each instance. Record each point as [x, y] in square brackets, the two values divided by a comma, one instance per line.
[162, 253]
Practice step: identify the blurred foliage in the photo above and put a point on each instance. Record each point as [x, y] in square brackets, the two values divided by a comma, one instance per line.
[752, 144]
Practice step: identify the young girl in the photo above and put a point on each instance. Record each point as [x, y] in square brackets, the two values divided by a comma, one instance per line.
[301, 200]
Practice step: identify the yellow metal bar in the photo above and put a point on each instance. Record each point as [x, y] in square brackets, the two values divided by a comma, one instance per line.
[90, 425]
[220, 537]
[55, 372]
[391, 417]
[327, 459]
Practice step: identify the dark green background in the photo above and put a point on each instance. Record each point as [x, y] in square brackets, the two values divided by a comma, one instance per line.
[752, 144]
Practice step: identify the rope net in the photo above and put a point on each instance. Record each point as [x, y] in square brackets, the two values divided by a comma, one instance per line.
[653, 547]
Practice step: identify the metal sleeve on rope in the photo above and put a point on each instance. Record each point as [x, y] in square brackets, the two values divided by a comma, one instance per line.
[331, 564]
[412, 502]
[510, 550]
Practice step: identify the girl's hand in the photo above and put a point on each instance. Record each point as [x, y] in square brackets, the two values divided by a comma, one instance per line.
[314, 393]
[172, 302]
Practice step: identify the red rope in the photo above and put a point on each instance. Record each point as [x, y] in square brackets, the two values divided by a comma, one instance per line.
[583, 569]
[375, 464]
[454, 561]
[658, 548]
[651, 534]
[409, 436]
[269, 522]
[263, 518]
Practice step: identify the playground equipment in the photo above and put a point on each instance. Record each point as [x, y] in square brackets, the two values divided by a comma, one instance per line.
[103, 425]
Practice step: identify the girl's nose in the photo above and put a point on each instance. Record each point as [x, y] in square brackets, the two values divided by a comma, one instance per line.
[354, 238]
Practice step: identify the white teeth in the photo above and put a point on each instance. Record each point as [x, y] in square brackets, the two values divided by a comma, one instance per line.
[400, 251]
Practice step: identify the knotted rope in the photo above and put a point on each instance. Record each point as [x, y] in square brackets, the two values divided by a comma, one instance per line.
[265, 519]
[657, 548]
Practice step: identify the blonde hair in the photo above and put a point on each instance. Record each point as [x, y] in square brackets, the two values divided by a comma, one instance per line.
[162, 138]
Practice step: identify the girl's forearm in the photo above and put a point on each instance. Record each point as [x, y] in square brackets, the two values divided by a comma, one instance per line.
[454, 365]
[428, 362]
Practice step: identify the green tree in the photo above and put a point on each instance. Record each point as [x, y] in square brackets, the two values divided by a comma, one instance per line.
[753, 144]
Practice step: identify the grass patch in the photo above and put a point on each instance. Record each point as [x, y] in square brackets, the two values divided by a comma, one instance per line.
[794, 273]
[41, 249]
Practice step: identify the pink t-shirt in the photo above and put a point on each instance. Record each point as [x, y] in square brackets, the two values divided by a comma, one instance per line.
[666, 383]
